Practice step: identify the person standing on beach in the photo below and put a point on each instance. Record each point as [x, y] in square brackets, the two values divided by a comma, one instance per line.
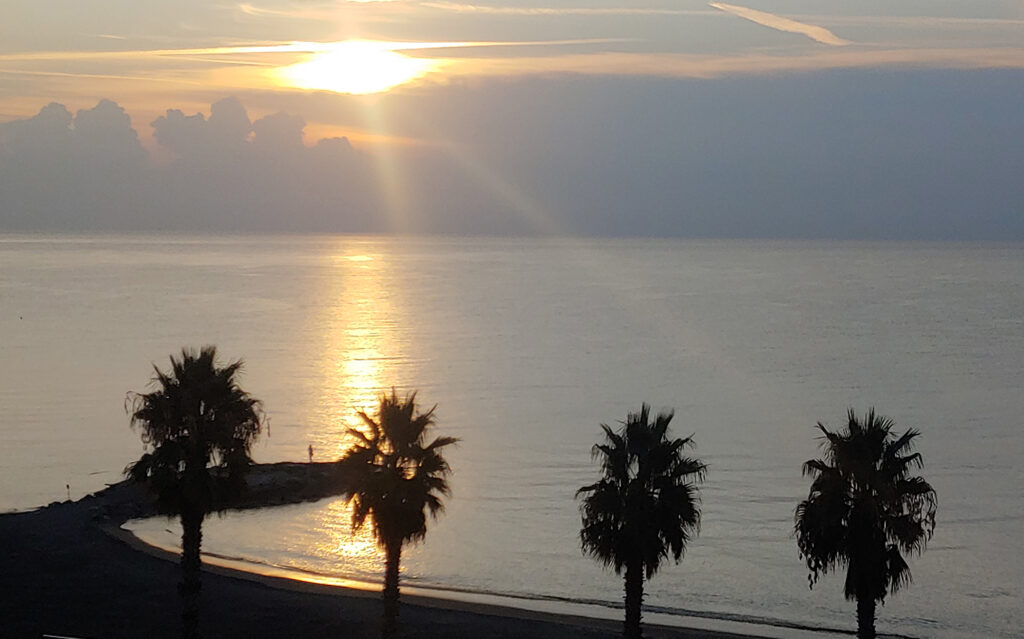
[311, 453]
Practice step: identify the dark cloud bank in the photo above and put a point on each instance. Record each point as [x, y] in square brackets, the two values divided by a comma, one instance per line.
[89, 172]
[860, 155]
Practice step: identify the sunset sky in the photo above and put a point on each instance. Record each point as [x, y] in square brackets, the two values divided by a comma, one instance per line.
[703, 118]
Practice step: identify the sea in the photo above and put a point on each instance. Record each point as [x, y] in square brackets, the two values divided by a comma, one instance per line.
[526, 346]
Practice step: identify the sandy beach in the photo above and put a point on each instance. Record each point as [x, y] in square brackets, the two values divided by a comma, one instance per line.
[69, 570]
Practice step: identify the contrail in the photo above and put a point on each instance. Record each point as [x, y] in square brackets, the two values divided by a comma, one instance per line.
[772, 21]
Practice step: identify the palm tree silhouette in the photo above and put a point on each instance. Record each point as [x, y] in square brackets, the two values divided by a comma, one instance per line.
[644, 508]
[864, 510]
[395, 478]
[197, 426]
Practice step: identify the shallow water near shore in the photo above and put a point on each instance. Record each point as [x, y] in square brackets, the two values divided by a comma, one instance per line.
[527, 346]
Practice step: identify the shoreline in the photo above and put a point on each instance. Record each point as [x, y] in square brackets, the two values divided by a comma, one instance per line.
[498, 604]
[71, 569]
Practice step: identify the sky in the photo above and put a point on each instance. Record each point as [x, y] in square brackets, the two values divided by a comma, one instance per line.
[775, 118]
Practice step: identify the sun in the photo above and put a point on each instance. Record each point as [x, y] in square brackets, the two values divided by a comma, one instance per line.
[357, 67]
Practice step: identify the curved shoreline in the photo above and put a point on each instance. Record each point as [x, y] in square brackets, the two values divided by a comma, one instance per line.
[441, 596]
[70, 569]
[600, 615]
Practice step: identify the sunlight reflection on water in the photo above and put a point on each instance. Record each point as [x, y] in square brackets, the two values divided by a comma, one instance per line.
[355, 327]
[355, 551]
[316, 539]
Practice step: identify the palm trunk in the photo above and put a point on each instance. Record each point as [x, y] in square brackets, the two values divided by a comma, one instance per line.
[634, 599]
[393, 557]
[865, 617]
[191, 540]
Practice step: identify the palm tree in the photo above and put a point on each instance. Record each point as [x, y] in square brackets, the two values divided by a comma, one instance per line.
[644, 508]
[197, 426]
[395, 477]
[864, 510]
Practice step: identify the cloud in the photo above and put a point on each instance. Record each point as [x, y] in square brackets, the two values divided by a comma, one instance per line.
[922, 22]
[668, 65]
[131, 54]
[562, 11]
[89, 172]
[312, 12]
[260, 12]
[321, 13]
[254, 67]
[292, 47]
[858, 154]
[98, 76]
[56, 165]
[772, 21]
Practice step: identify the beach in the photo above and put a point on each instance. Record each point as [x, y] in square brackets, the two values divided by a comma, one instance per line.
[69, 570]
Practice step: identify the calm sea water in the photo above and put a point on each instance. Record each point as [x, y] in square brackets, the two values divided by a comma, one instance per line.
[526, 346]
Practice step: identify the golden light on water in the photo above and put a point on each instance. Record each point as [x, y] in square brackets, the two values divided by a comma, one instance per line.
[338, 543]
[356, 67]
[355, 326]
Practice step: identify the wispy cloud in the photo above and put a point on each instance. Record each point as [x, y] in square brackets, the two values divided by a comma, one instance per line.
[260, 12]
[310, 12]
[921, 22]
[772, 21]
[245, 68]
[98, 76]
[590, 63]
[705, 66]
[561, 11]
[306, 12]
[286, 48]
[290, 47]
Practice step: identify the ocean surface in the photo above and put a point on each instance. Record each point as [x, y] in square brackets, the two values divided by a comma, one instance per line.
[526, 346]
